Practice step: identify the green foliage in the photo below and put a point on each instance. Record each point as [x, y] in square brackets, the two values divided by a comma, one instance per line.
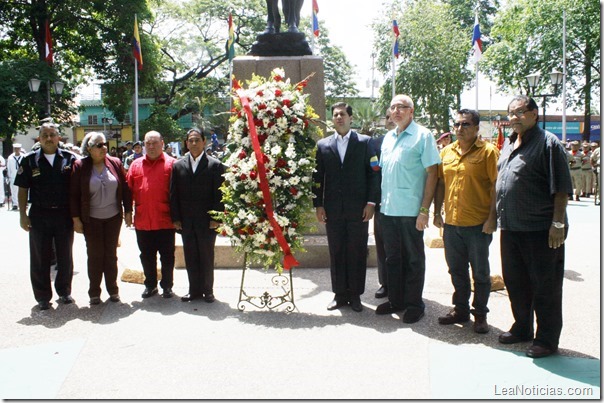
[87, 36]
[161, 121]
[434, 51]
[527, 38]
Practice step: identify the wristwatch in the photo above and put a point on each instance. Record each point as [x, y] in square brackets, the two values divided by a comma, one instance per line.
[557, 224]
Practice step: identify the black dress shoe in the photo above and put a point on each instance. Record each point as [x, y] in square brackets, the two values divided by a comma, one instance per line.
[355, 304]
[149, 292]
[188, 297]
[95, 301]
[66, 299]
[168, 293]
[209, 298]
[536, 351]
[382, 292]
[386, 308]
[453, 317]
[335, 304]
[412, 316]
[509, 338]
[44, 305]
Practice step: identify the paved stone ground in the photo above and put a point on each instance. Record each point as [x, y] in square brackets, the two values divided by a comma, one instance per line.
[167, 349]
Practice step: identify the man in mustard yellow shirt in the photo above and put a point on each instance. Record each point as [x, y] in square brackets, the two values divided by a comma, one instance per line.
[466, 184]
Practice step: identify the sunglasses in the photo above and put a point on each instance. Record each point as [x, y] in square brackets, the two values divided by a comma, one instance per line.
[100, 145]
[462, 124]
[399, 107]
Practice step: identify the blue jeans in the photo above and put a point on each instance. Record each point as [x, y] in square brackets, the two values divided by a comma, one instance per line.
[405, 262]
[468, 246]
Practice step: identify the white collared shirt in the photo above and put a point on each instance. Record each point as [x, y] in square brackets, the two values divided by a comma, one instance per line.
[195, 161]
[342, 143]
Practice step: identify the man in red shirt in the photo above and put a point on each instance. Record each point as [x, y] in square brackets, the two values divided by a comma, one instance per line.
[149, 181]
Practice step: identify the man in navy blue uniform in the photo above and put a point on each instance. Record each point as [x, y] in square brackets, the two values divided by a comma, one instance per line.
[45, 175]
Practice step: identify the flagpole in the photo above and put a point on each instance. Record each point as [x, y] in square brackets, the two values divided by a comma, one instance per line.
[136, 136]
[476, 86]
[564, 76]
[393, 69]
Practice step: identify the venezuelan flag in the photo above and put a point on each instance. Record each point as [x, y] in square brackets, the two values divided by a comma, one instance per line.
[375, 164]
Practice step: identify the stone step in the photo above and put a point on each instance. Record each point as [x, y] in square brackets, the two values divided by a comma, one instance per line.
[316, 255]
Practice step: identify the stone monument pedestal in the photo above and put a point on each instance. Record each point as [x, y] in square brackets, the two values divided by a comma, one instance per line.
[297, 68]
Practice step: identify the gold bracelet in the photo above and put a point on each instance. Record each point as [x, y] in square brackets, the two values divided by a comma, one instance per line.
[424, 210]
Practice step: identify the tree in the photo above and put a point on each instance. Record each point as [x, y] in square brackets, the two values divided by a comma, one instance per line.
[434, 51]
[87, 37]
[527, 38]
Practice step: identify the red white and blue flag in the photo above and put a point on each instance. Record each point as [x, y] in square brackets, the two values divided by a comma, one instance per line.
[397, 33]
[48, 55]
[477, 41]
[315, 18]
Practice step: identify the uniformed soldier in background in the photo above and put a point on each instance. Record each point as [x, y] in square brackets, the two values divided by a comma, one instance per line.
[45, 174]
[575, 156]
[588, 182]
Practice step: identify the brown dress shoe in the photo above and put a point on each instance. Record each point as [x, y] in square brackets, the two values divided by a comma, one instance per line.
[536, 351]
[480, 324]
[453, 317]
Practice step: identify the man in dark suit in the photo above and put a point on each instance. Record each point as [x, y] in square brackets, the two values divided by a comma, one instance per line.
[347, 188]
[194, 191]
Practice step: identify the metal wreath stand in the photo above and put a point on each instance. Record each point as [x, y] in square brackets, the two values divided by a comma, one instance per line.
[266, 300]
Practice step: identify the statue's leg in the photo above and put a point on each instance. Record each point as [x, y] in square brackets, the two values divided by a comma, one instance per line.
[273, 19]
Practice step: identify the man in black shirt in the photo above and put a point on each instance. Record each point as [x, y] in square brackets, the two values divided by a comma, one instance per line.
[533, 186]
[45, 174]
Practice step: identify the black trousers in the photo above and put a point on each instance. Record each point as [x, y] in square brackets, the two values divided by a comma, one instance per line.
[198, 246]
[533, 274]
[379, 247]
[405, 262]
[50, 225]
[348, 256]
[150, 243]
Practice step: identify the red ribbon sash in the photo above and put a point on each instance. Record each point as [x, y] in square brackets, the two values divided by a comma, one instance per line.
[289, 260]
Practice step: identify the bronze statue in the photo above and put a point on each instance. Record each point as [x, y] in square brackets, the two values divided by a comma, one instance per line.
[291, 14]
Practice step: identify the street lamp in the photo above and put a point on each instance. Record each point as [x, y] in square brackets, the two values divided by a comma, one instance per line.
[556, 80]
[57, 86]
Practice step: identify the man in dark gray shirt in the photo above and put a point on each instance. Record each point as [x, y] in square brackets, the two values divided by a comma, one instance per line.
[533, 186]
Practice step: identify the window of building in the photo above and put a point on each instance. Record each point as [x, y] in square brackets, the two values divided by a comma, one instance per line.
[93, 120]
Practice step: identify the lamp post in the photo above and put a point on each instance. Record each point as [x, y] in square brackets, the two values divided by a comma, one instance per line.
[533, 80]
[57, 86]
[110, 121]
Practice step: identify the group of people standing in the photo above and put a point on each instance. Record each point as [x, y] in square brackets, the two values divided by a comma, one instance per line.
[94, 195]
[524, 190]
[584, 162]
[394, 179]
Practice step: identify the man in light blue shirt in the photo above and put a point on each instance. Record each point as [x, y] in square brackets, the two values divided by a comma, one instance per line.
[409, 163]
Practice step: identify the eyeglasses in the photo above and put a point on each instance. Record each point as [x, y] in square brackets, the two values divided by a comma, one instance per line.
[462, 124]
[519, 113]
[100, 145]
[399, 107]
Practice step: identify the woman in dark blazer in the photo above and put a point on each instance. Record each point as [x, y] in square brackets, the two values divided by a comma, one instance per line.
[99, 196]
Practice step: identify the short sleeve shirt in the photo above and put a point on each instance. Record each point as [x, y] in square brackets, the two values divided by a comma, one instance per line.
[469, 180]
[529, 177]
[403, 162]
